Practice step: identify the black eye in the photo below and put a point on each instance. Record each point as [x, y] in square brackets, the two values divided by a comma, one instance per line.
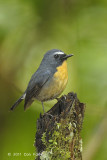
[56, 56]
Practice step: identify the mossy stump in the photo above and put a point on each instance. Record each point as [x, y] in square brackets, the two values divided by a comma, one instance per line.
[58, 130]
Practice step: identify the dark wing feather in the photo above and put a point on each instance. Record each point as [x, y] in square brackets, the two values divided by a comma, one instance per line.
[35, 85]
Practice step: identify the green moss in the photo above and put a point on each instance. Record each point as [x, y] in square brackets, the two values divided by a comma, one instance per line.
[63, 141]
[58, 146]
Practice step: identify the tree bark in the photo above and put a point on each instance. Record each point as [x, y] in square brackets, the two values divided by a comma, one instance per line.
[58, 130]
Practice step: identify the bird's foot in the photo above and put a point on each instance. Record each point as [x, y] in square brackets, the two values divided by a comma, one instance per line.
[48, 114]
[59, 99]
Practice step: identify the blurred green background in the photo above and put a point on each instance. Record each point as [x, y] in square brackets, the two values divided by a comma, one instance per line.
[28, 28]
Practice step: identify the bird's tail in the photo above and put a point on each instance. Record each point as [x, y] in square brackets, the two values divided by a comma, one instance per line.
[17, 102]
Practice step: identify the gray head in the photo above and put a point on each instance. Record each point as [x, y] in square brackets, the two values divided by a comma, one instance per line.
[54, 58]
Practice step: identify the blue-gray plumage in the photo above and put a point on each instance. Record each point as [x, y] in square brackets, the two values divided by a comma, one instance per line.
[48, 81]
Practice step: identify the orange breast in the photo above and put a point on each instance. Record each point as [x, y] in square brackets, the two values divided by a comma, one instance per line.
[58, 83]
[61, 76]
[62, 73]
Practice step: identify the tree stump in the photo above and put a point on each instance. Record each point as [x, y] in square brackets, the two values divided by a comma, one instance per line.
[58, 130]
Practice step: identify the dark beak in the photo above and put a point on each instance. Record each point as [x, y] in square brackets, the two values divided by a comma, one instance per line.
[67, 56]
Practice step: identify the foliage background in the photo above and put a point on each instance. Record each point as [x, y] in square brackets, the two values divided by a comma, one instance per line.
[28, 28]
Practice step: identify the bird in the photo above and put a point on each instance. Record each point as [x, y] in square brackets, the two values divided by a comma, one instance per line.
[48, 82]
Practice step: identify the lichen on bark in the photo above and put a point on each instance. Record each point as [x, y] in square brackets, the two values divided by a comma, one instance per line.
[58, 131]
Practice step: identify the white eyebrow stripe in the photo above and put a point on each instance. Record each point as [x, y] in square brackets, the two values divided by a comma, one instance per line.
[59, 53]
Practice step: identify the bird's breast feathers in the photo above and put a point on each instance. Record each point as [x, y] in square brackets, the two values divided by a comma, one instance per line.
[62, 73]
[56, 85]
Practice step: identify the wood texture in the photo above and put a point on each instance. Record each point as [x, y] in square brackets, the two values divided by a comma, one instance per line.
[58, 130]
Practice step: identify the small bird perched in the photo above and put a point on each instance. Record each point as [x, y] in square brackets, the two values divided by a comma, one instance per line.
[49, 81]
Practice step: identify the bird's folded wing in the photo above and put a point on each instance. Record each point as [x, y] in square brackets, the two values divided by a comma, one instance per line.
[35, 85]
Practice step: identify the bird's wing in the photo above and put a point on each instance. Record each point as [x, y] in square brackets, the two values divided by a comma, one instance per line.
[35, 85]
